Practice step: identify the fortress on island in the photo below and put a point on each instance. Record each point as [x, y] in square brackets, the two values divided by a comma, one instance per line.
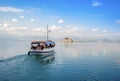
[67, 40]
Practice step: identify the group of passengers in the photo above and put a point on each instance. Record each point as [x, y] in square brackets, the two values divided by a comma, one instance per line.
[42, 45]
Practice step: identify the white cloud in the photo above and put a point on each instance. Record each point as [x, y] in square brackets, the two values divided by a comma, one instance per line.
[6, 25]
[96, 3]
[60, 21]
[95, 30]
[55, 28]
[57, 32]
[31, 20]
[118, 21]
[10, 9]
[105, 30]
[14, 20]
[21, 17]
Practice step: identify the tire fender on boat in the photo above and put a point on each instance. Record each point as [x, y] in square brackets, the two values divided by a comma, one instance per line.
[29, 53]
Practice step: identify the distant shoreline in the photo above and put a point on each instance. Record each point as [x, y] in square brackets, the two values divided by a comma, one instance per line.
[91, 42]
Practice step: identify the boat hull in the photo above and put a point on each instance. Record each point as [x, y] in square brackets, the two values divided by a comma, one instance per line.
[41, 52]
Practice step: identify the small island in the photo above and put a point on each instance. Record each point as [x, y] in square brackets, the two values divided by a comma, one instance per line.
[67, 40]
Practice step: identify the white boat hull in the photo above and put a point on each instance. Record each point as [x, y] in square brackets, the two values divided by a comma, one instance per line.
[41, 52]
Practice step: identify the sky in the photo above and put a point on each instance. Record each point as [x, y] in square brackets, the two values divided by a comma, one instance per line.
[77, 19]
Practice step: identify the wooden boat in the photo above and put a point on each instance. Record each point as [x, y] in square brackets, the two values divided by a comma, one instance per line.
[42, 47]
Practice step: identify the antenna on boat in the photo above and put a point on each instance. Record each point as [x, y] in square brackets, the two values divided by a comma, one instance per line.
[47, 32]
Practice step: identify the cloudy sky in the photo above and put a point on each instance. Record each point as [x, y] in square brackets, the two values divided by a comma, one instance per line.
[23, 19]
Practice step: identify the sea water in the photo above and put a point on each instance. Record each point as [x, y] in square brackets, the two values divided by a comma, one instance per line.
[70, 62]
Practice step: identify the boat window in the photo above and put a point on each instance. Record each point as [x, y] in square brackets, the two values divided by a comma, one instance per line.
[34, 44]
[49, 42]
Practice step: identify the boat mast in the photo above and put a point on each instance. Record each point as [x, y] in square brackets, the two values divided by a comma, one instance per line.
[47, 32]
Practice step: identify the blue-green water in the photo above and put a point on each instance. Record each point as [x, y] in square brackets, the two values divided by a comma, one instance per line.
[71, 62]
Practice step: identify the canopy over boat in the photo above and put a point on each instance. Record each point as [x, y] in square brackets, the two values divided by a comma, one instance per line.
[41, 47]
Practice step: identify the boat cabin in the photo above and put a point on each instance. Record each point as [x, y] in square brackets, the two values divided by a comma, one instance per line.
[40, 45]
